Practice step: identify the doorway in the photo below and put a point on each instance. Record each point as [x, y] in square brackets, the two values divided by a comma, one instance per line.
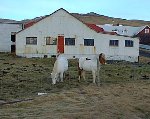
[60, 44]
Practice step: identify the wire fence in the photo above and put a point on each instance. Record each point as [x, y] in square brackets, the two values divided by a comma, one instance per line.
[114, 72]
[119, 68]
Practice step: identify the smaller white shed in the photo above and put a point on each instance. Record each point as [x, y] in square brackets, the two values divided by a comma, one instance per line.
[7, 36]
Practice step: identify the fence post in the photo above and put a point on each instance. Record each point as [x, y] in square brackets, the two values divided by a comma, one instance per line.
[134, 71]
[98, 77]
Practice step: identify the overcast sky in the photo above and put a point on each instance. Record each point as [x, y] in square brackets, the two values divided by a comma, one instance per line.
[28, 9]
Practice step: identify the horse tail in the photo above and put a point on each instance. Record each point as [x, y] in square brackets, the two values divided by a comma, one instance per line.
[80, 70]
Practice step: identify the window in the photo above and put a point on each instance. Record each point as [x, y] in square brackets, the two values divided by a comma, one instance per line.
[88, 42]
[69, 41]
[128, 43]
[146, 30]
[51, 41]
[13, 37]
[113, 43]
[31, 40]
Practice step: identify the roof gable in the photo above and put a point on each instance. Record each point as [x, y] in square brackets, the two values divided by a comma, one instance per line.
[93, 27]
[32, 22]
[142, 28]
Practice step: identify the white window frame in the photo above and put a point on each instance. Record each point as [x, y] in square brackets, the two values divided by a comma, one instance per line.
[146, 30]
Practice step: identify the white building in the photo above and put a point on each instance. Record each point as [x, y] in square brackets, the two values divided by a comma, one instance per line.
[7, 36]
[61, 32]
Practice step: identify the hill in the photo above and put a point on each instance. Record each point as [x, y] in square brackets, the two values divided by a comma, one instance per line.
[91, 18]
[7, 20]
[101, 19]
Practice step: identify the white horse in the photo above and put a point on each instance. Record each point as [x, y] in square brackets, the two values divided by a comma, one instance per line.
[60, 66]
[90, 65]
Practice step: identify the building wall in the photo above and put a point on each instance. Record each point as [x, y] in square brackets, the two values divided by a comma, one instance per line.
[120, 52]
[62, 23]
[57, 24]
[5, 35]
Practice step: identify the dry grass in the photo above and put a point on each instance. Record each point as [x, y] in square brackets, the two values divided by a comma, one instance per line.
[129, 101]
[110, 20]
[122, 95]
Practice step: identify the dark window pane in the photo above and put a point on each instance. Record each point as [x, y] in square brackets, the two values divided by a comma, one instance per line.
[69, 41]
[31, 40]
[113, 42]
[88, 42]
[128, 43]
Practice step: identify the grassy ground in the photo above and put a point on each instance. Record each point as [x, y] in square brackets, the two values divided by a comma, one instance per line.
[123, 93]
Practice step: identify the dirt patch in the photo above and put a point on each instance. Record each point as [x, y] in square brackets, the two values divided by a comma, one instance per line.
[129, 101]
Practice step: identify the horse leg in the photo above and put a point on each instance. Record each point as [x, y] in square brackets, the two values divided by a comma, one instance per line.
[57, 77]
[61, 76]
[79, 73]
[94, 76]
[79, 78]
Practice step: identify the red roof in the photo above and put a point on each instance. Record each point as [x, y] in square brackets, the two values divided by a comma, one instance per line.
[95, 27]
[28, 24]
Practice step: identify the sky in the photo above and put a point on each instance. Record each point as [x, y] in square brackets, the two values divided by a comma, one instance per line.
[29, 9]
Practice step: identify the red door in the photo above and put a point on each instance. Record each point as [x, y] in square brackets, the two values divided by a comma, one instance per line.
[60, 44]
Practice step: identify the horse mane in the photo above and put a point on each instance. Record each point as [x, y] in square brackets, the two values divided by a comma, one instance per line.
[55, 67]
[102, 59]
